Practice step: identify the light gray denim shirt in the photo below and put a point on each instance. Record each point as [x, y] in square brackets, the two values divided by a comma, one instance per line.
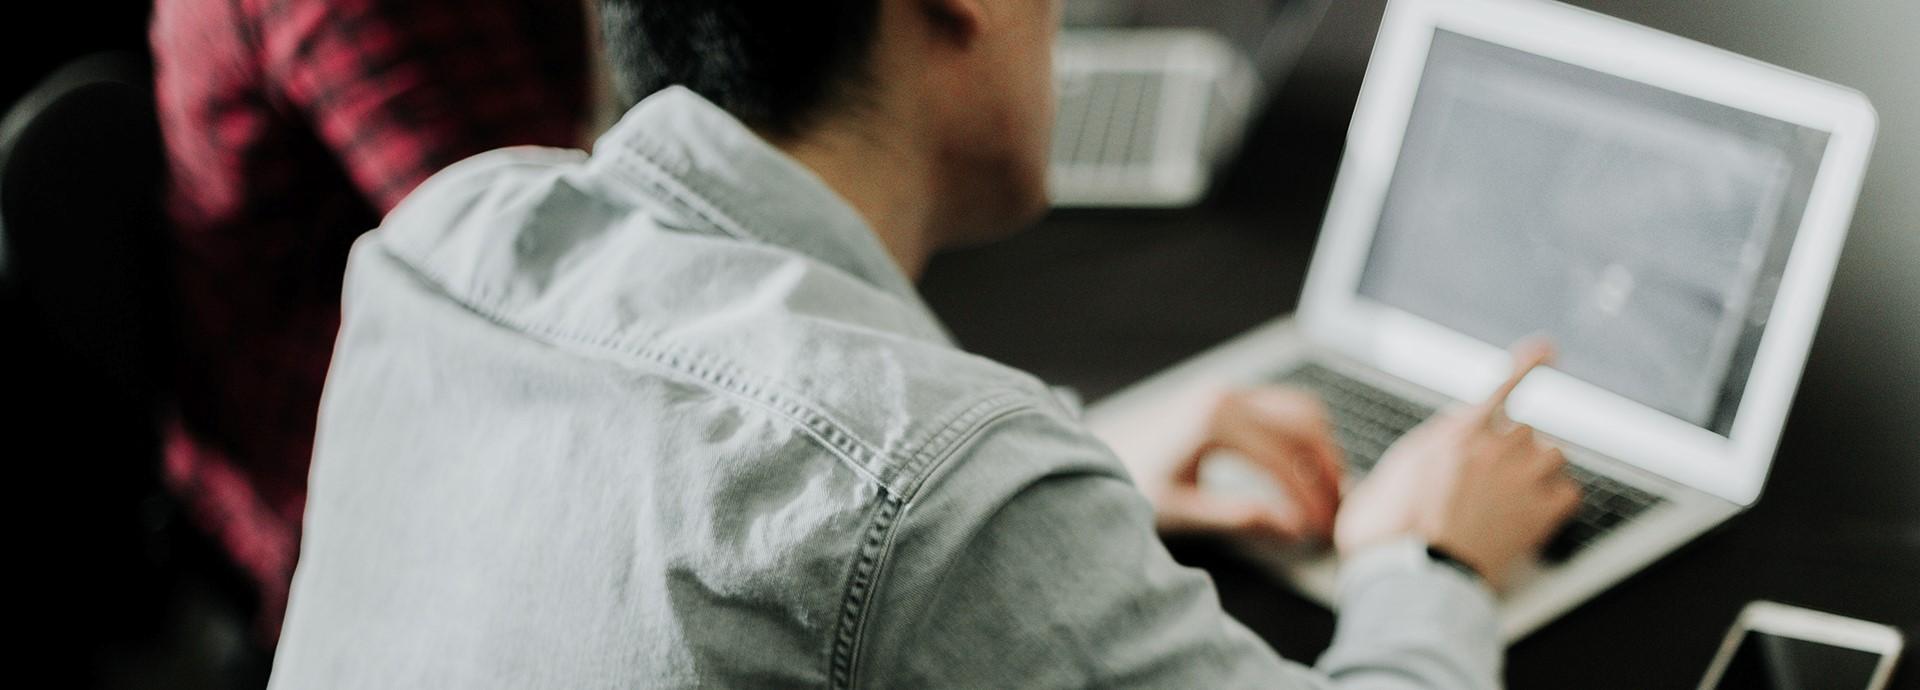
[669, 416]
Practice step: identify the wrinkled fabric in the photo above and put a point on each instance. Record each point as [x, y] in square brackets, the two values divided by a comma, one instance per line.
[670, 417]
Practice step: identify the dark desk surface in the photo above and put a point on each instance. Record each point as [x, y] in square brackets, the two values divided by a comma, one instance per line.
[1098, 300]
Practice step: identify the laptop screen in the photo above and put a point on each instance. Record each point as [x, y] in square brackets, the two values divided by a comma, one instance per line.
[1643, 230]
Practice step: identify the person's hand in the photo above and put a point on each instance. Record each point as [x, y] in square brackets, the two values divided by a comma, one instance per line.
[1281, 431]
[1469, 481]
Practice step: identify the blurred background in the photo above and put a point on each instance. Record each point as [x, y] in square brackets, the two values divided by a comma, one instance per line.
[123, 592]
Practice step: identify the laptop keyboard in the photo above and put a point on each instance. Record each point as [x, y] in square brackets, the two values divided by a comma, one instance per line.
[1604, 505]
[1367, 420]
[1106, 118]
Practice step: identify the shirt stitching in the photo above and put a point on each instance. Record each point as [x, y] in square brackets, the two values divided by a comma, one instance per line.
[876, 543]
[703, 367]
[940, 444]
[860, 581]
[851, 638]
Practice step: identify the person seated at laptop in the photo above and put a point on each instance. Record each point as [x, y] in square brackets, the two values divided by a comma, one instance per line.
[290, 127]
[673, 415]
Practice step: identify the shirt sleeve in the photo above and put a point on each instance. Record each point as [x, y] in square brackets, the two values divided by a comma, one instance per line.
[1010, 576]
[399, 89]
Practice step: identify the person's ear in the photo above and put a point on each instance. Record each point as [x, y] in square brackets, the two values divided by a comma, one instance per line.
[960, 21]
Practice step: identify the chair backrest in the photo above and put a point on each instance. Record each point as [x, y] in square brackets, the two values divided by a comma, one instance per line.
[83, 350]
[82, 246]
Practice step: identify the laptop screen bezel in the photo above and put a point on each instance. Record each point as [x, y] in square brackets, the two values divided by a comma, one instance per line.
[1335, 315]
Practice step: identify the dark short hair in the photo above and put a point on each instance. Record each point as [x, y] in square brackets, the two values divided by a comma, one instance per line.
[774, 64]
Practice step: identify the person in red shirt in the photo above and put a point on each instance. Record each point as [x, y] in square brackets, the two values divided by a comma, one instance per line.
[291, 127]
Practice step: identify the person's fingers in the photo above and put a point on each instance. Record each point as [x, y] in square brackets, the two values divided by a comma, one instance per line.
[1520, 439]
[1460, 420]
[1286, 435]
[1564, 496]
[1558, 502]
[1302, 421]
[1527, 355]
[1551, 463]
[1325, 452]
[1316, 500]
[1187, 471]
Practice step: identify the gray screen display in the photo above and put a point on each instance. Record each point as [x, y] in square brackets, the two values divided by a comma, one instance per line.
[1643, 230]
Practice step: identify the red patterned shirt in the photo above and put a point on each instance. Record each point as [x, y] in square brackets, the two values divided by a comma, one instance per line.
[291, 127]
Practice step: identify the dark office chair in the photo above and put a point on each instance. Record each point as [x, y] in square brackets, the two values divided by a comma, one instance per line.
[85, 358]
[81, 246]
[83, 310]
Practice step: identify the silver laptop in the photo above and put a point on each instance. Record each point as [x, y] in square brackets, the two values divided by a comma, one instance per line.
[1670, 214]
[1154, 96]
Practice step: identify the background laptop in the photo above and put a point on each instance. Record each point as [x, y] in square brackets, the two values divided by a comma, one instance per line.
[1155, 94]
[1669, 213]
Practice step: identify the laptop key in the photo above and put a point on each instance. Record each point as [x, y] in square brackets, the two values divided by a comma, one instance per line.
[1605, 505]
[1366, 420]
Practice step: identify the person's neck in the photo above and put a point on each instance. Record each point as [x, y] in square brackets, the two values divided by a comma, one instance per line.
[881, 171]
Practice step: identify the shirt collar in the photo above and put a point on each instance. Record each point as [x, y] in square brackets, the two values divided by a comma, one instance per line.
[680, 145]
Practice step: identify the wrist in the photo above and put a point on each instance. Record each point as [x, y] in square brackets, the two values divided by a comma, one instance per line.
[1465, 560]
[1396, 565]
[1444, 557]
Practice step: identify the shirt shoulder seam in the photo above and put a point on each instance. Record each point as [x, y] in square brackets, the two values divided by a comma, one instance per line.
[704, 368]
[877, 543]
[723, 375]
